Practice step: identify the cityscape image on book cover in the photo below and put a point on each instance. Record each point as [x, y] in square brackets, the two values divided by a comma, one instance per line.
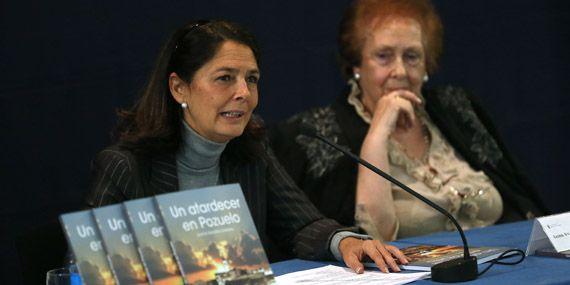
[213, 236]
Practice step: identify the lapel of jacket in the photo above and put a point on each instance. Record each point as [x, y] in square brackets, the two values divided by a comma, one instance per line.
[231, 173]
[452, 112]
[163, 175]
[249, 176]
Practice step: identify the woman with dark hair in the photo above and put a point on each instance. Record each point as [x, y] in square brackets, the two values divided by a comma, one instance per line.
[437, 141]
[193, 127]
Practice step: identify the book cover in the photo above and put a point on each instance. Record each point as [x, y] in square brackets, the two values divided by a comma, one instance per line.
[213, 237]
[152, 243]
[119, 245]
[85, 241]
[423, 257]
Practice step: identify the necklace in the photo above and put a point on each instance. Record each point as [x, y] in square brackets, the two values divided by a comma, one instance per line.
[426, 140]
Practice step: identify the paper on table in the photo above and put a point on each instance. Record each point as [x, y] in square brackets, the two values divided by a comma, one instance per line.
[335, 275]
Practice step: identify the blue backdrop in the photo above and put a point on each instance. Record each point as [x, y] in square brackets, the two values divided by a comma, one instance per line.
[66, 66]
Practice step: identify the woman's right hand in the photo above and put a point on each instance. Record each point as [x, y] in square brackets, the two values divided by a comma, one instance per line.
[394, 112]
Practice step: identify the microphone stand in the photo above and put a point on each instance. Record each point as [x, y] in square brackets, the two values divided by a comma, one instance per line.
[455, 270]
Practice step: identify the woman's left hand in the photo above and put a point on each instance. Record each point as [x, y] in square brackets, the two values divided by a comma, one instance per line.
[353, 251]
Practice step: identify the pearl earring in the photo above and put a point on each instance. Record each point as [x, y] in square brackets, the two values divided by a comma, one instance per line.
[426, 78]
[184, 105]
[356, 76]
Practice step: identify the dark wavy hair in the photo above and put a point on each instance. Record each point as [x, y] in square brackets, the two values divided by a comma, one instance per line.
[362, 16]
[153, 124]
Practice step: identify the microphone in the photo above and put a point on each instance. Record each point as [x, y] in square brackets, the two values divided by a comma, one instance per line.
[455, 270]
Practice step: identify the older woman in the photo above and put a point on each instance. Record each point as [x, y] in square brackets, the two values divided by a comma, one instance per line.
[193, 127]
[439, 142]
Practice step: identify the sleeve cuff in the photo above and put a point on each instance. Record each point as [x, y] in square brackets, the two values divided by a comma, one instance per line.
[337, 237]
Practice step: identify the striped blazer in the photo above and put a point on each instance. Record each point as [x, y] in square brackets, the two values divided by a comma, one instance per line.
[282, 213]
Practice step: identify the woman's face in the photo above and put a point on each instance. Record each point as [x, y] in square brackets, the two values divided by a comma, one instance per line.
[222, 94]
[393, 58]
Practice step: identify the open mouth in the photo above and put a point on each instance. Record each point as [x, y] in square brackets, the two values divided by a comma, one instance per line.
[232, 114]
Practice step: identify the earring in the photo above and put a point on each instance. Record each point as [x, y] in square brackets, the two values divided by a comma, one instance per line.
[426, 78]
[184, 105]
[356, 76]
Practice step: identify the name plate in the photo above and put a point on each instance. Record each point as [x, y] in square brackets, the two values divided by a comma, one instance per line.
[550, 232]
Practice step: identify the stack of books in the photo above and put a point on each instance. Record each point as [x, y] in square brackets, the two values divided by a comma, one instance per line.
[199, 236]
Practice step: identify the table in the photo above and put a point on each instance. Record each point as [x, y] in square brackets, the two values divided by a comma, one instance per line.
[533, 270]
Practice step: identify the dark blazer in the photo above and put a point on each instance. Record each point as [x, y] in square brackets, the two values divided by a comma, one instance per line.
[329, 178]
[281, 212]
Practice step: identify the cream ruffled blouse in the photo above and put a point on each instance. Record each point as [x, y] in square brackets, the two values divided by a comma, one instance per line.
[443, 177]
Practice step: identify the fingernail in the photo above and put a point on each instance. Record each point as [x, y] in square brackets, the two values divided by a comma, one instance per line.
[359, 270]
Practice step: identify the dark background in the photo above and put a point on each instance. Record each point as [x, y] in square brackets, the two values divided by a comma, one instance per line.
[65, 66]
